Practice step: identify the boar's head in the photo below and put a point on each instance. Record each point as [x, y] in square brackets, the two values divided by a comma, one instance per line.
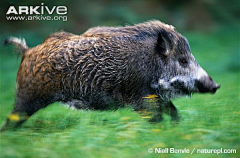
[180, 74]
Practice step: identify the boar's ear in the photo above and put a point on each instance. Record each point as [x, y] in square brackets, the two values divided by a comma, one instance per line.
[164, 43]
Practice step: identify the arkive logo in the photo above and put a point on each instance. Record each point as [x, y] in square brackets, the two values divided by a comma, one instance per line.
[37, 10]
[41, 12]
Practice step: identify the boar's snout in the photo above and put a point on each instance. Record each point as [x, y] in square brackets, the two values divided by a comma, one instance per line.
[206, 84]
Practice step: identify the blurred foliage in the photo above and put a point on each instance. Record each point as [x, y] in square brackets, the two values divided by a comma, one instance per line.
[186, 15]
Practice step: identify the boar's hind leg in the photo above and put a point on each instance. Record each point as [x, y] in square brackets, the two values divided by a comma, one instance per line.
[167, 108]
[22, 111]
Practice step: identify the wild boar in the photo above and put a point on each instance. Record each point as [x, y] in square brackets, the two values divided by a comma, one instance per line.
[107, 66]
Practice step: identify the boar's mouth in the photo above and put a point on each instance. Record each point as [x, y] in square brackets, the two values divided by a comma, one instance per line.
[175, 87]
[184, 86]
[181, 88]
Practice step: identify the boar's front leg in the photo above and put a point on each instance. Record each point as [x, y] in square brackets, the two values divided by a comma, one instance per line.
[171, 110]
[168, 108]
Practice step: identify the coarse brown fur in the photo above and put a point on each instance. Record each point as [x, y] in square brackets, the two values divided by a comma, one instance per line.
[98, 63]
[101, 67]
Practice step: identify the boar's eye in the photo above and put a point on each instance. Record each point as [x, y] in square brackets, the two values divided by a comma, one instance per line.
[183, 62]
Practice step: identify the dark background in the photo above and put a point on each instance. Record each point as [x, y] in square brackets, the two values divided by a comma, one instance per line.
[203, 16]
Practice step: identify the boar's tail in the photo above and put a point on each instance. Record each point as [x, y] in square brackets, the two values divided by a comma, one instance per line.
[18, 42]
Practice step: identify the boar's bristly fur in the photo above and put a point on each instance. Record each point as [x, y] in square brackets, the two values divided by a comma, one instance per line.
[107, 66]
